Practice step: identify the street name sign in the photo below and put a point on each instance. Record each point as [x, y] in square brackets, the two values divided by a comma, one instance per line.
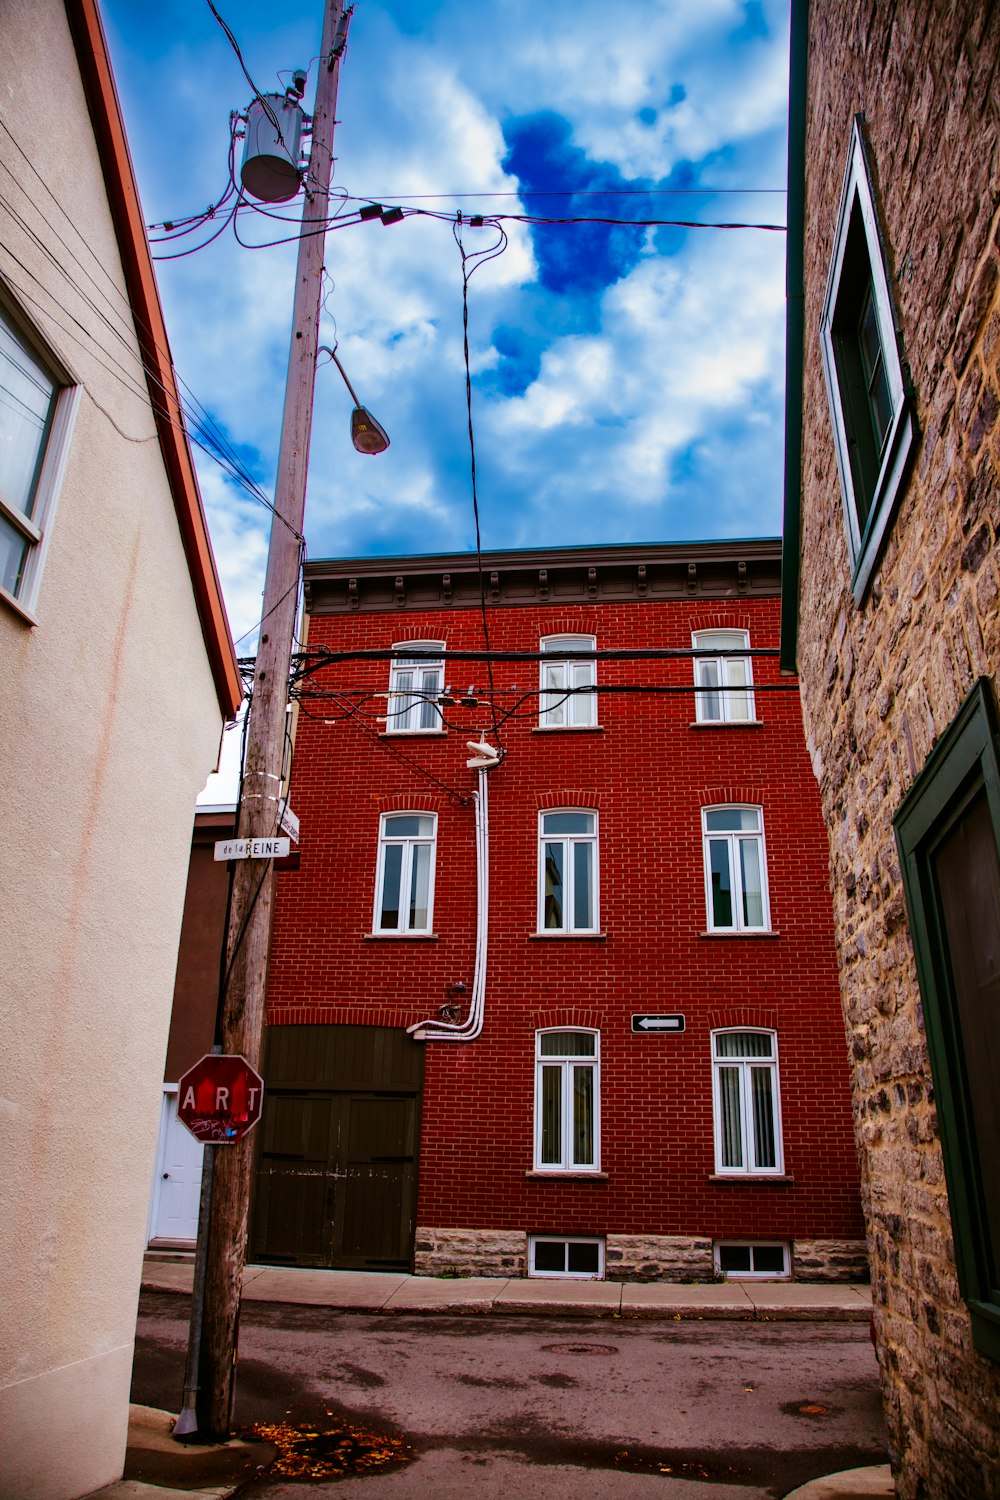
[220, 1098]
[289, 822]
[653, 1025]
[252, 848]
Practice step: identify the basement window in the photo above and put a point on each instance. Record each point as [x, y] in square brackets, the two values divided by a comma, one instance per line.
[752, 1259]
[579, 1259]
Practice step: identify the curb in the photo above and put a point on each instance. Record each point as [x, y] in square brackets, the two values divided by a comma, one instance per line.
[396, 1294]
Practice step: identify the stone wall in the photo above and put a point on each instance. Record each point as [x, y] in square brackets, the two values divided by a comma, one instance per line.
[628, 1257]
[470, 1252]
[882, 681]
[829, 1260]
[657, 1257]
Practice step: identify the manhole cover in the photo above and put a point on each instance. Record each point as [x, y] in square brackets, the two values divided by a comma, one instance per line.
[579, 1349]
[813, 1409]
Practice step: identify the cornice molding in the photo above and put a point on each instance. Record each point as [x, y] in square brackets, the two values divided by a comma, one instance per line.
[558, 576]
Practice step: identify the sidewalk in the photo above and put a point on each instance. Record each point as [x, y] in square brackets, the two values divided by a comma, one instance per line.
[162, 1468]
[394, 1292]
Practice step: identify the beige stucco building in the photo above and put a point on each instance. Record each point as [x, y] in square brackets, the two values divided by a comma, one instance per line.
[891, 612]
[117, 674]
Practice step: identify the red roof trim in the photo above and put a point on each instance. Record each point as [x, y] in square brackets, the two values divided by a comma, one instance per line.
[147, 312]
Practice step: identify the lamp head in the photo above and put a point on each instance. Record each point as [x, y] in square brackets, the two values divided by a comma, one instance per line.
[367, 435]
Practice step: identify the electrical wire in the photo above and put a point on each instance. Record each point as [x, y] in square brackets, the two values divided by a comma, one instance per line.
[202, 429]
[264, 103]
[120, 308]
[650, 192]
[470, 265]
[384, 742]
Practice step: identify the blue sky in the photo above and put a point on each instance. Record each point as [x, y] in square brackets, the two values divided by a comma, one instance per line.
[627, 381]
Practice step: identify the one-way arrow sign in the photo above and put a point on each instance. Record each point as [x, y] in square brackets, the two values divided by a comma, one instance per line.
[646, 1025]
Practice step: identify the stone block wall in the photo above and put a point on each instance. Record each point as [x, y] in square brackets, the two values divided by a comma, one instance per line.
[881, 682]
[628, 1257]
[470, 1252]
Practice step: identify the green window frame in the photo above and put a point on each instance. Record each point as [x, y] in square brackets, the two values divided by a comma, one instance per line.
[952, 808]
[871, 402]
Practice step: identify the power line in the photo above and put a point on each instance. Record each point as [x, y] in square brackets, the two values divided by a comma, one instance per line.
[264, 103]
[471, 264]
[216, 445]
[651, 192]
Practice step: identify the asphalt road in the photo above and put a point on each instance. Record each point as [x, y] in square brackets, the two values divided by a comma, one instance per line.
[518, 1408]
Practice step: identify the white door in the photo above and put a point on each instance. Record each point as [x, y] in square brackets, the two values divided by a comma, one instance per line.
[177, 1183]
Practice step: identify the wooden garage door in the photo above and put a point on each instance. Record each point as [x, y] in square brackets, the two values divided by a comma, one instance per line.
[338, 1143]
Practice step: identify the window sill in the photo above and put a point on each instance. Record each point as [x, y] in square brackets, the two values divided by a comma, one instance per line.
[569, 1176]
[753, 1179]
[727, 724]
[400, 937]
[409, 734]
[740, 932]
[554, 935]
[568, 729]
[16, 607]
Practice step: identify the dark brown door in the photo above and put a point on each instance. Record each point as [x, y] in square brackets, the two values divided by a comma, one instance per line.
[338, 1143]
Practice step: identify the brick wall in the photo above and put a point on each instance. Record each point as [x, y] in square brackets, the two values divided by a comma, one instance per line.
[881, 682]
[647, 772]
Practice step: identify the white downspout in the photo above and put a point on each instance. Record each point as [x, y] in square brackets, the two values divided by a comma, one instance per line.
[434, 1029]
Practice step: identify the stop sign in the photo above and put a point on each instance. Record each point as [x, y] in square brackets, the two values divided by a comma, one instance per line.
[219, 1099]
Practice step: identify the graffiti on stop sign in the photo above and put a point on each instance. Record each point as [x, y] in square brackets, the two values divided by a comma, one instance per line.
[219, 1099]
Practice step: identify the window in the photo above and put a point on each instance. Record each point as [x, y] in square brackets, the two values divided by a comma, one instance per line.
[948, 832]
[873, 421]
[745, 1095]
[567, 1103]
[735, 872]
[567, 699]
[37, 407]
[552, 1256]
[414, 688]
[567, 872]
[404, 884]
[725, 679]
[746, 1258]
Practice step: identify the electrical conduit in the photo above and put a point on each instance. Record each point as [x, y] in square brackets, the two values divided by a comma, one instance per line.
[434, 1029]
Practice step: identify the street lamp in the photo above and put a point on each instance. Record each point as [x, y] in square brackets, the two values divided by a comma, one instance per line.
[367, 435]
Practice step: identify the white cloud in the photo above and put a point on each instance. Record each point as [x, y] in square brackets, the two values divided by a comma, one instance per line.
[682, 347]
[675, 352]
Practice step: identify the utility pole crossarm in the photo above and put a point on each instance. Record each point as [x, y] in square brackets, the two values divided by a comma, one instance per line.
[249, 936]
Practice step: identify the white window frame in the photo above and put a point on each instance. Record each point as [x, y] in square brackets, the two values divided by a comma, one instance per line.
[407, 842]
[413, 707]
[724, 683]
[566, 696]
[867, 516]
[567, 1064]
[534, 1240]
[749, 1143]
[752, 1245]
[733, 839]
[570, 842]
[54, 447]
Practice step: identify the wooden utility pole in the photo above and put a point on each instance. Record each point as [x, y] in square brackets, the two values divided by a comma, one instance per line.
[249, 937]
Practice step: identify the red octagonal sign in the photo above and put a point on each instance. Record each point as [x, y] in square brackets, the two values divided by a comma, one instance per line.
[219, 1099]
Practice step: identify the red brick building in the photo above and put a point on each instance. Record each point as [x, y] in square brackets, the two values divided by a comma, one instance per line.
[652, 1081]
